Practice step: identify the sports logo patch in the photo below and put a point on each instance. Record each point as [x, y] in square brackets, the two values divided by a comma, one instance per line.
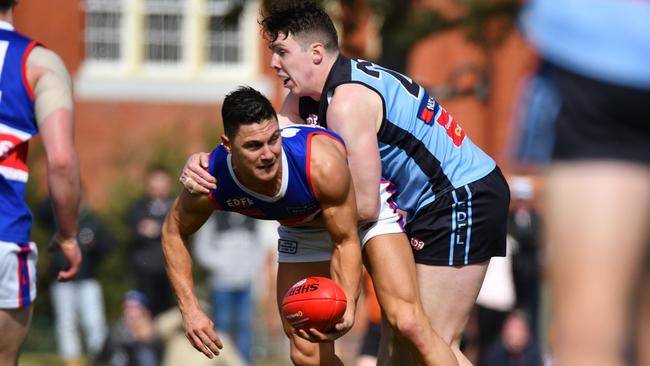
[287, 246]
[312, 119]
[417, 244]
[454, 131]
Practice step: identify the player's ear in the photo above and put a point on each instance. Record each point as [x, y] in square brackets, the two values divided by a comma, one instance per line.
[226, 142]
[317, 52]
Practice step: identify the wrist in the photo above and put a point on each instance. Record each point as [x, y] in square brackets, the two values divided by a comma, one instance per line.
[66, 241]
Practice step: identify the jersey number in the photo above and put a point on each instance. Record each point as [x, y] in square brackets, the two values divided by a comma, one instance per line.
[375, 71]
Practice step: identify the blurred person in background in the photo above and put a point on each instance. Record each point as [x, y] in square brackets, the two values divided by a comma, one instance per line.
[36, 96]
[496, 299]
[145, 219]
[230, 248]
[516, 346]
[132, 339]
[525, 230]
[597, 197]
[80, 300]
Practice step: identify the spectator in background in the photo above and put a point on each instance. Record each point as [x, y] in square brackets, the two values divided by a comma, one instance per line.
[597, 203]
[231, 249]
[80, 300]
[132, 340]
[145, 219]
[524, 227]
[516, 346]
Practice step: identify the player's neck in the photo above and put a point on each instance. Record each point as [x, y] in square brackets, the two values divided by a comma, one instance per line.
[7, 16]
[267, 188]
[328, 63]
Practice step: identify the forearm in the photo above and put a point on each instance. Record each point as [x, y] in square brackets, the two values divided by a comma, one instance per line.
[64, 188]
[346, 269]
[178, 264]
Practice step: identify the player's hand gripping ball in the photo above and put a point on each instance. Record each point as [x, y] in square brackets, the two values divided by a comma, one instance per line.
[314, 302]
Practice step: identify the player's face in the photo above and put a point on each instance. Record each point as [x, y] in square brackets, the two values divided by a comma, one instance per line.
[256, 150]
[293, 65]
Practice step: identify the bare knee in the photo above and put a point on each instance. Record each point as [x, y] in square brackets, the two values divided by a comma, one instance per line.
[407, 320]
[305, 353]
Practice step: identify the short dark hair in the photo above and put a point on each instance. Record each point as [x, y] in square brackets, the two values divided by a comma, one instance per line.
[245, 106]
[6, 5]
[305, 20]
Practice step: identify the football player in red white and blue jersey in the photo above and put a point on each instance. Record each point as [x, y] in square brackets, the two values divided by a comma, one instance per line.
[35, 96]
[269, 173]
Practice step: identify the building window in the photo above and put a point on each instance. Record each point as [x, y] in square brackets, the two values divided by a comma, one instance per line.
[103, 24]
[224, 39]
[169, 49]
[164, 31]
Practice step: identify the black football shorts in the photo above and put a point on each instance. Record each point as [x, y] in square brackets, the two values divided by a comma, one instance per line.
[464, 226]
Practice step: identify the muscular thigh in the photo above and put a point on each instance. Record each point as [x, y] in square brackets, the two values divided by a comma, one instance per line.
[389, 261]
[448, 295]
[14, 325]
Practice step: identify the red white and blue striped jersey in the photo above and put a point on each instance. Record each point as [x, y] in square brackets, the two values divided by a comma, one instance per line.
[295, 202]
[17, 126]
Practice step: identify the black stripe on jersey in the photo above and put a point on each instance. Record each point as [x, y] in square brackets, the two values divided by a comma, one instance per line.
[392, 135]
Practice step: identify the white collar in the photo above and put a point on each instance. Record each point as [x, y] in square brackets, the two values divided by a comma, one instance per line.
[283, 187]
[6, 25]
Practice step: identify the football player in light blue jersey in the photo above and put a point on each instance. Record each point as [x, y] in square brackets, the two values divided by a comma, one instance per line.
[455, 197]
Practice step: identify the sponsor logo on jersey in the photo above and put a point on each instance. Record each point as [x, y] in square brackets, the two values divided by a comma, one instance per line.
[287, 246]
[428, 109]
[454, 131]
[312, 119]
[417, 244]
[237, 202]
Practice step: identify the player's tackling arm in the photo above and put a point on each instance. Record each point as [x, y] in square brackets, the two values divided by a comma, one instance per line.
[52, 87]
[354, 113]
[338, 206]
[186, 216]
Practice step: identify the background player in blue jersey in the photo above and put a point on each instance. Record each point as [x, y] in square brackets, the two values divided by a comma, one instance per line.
[455, 196]
[42, 101]
[267, 182]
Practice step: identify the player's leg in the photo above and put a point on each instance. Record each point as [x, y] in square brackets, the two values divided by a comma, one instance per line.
[92, 314]
[448, 295]
[643, 336]
[66, 299]
[596, 232]
[390, 263]
[453, 239]
[14, 325]
[304, 352]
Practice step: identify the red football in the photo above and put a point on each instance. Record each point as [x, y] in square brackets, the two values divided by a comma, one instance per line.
[314, 302]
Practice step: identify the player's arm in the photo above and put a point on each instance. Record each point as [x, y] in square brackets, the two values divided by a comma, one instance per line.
[289, 112]
[339, 214]
[52, 88]
[354, 113]
[186, 216]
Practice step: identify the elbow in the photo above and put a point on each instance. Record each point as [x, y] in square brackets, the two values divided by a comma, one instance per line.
[64, 163]
[368, 212]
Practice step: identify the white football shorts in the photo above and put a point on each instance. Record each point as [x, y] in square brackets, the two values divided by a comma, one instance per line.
[299, 245]
[17, 274]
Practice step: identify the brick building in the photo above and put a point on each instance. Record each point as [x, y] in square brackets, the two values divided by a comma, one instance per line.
[148, 72]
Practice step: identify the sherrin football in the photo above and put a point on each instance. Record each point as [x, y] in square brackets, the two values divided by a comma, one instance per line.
[314, 302]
